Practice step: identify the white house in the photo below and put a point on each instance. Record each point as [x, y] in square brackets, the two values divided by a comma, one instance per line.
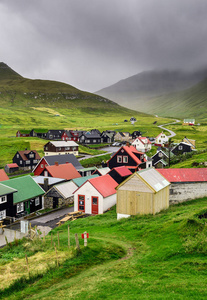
[142, 144]
[161, 139]
[96, 195]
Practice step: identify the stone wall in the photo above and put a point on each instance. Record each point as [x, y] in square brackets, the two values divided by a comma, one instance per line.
[180, 192]
[48, 202]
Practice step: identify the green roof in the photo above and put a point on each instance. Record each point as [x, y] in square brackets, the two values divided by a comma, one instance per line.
[26, 188]
[81, 180]
[5, 190]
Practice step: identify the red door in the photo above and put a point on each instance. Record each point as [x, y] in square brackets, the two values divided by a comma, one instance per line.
[94, 205]
[81, 203]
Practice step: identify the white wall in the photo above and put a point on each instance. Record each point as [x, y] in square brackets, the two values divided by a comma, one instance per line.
[108, 202]
[180, 192]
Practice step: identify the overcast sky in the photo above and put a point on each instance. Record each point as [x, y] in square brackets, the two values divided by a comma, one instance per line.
[92, 44]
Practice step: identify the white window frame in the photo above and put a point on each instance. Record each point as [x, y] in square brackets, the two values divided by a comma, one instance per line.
[37, 201]
[3, 199]
[27, 162]
[31, 155]
[125, 159]
[20, 162]
[180, 147]
[17, 155]
[20, 207]
[119, 158]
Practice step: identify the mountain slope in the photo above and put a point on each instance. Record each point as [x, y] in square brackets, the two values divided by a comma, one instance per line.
[147, 91]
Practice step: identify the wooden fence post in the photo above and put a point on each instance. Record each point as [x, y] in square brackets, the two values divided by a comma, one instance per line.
[51, 238]
[58, 239]
[85, 238]
[56, 254]
[27, 263]
[77, 242]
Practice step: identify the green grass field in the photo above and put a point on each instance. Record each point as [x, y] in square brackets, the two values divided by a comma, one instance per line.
[143, 257]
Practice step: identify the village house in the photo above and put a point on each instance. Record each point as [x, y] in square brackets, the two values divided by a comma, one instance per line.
[186, 184]
[107, 136]
[27, 196]
[122, 136]
[96, 195]
[130, 157]
[51, 160]
[60, 148]
[181, 148]
[119, 174]
[54, 134]
[144, 192]
[6, 201]
[11, 168]
[70, 135]
[142, 144]
[190, 122]
[90, 138]
[191, 142]
[64, 171]
[26, 159]
[136, 134]
[161, 140]
[86, 171]
[47, 182]
[23, 133]
[161, 158]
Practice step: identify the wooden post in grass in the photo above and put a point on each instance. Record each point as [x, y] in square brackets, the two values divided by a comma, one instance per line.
[27, 263]
[77, 242]
[68, 236]
[85, 239]
[51, 238]
[56, 254]
[44, 237]
[6, 241]
[58, 239]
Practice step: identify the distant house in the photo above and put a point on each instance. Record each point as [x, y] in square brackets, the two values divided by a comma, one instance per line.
[142, 144]
[3, 175]
[65, 171]
[191, 142]
[136, 134]
[182, 148]
[161, 158]
[161, 139]
[40, 133]
[26, 159]
[130, 157]
[11, 168]
[47, 182]
[86, 171]
[27, 197]
[89, 138]
[119, 174]
[144, 192]
[107, 136]
[186, 184]
[133, 119]
[54, 134]
[50, 160]
[101, 171]
[189, 122]
[96, 195]
[22, 133]
[70, 135]
[122, 136]
[60, 148]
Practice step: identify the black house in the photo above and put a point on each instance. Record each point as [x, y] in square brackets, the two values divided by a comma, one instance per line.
[6, 201]
[136, 134]
[181, 148]
[54, 134]
[89, 138]
[26, 159]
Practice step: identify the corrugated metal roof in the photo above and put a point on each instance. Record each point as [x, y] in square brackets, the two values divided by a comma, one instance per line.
[103, 171]
[26, 188]
[184, 175]
[3, 175]
[66, 171]
[5, 190]
[82, 180]
[64, 143]
[105, 185]
[66, 189]
[154, 179]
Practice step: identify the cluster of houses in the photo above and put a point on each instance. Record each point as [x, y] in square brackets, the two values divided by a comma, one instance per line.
[136, 183]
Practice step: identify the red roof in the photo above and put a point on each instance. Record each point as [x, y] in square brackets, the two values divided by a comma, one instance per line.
[3, 175]
[105, 185]
[131, 150]
[14, 165]
[65, 171]
[123, 171]
[184, 175]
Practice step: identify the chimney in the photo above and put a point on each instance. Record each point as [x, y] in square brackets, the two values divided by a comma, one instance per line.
[127, 144]
[45, 184]
[67, 162]
[56, 163]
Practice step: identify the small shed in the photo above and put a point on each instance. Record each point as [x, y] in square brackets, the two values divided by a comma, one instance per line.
[11, 168]
[144, 192]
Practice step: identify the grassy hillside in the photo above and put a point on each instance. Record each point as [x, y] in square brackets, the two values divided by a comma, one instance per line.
[165, 93]
[143, 257]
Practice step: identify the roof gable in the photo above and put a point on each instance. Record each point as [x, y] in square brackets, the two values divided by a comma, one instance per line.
[105, 185]
[3, 175]
[66, 171]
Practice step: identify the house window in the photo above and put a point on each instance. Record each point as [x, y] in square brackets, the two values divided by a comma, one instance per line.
[37, 201]
[34, 161]
[59, 149]
[3, 199]
[119, 159]
[46, 148]
[81, 202]
[41, 166]
[180, 147]
[20, 162]
[125, 159]
[17, 155]
[31, 155]
[27, 162]
[3, 214]
[94, 141]
[160, 154]
[20, 207]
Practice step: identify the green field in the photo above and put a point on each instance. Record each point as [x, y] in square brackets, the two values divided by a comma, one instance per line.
[143, 257]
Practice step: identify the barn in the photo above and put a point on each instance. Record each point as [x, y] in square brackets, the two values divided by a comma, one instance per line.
[144, 192]
[186, 183]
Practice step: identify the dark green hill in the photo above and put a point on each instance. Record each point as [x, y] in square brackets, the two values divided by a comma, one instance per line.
[6, 73]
